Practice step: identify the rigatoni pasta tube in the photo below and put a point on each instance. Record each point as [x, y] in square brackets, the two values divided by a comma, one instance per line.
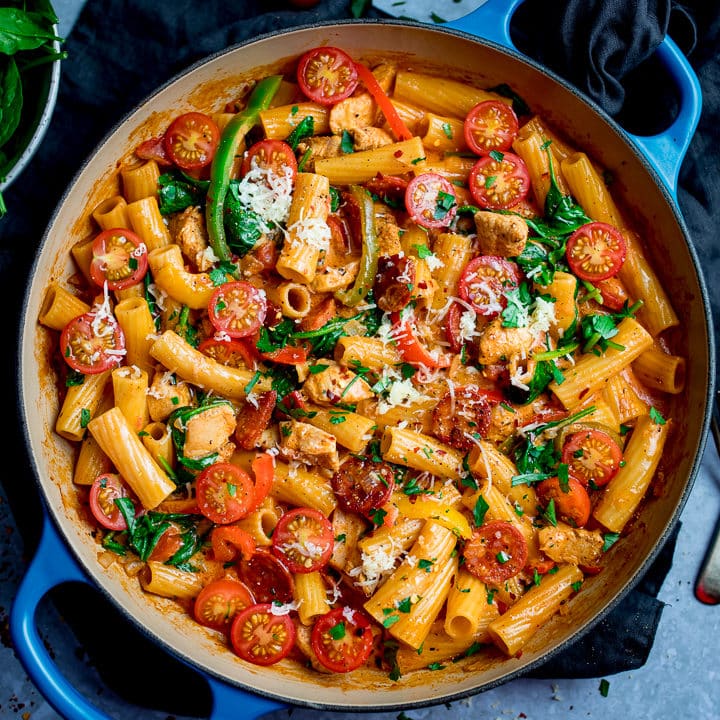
[563, 288]
[305, 488]
[307, 231]
[587, 187]
[169, 581]
[623, 398]
[310, 594]
[367, 352]
[467, 607]
[395, 159]
[351, 430]
[435, 543]
[511, 631]
[140, 181]
[134, 317]
[279, 122]
[122, 445]
[454, 252]
[439, 94]
[147, 222]
[158, 441]
[444, 134]
[625, 491]
[194, 367]
[130, 386]
[660, 370]
[261, 522]
[169, 273]
[91, 462]
[592, 372]
[60, 306]
[112, 213]
[420, 452]
[80, 404]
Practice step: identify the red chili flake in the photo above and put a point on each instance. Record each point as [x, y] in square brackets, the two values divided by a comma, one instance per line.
[398, 153]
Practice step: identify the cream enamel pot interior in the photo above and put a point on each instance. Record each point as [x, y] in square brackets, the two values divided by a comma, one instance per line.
[646, 172]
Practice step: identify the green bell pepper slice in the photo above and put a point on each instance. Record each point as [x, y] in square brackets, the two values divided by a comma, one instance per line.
[230, 140]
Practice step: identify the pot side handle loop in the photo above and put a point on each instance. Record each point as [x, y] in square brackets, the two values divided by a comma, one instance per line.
[665, 151]
[52, 565]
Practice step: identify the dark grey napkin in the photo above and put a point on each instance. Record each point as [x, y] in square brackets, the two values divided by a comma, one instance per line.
[605, 48]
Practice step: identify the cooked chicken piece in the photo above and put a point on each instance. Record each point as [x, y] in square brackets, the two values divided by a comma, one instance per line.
[188, 230]
[336, 384]
[208, 432]
[503, 235]
[166, 394]
[321, 146]
[308, 444]
[357, 111]
[386, 230]
[577, 546]
[330, 278]
[500, 343]
[369, 138]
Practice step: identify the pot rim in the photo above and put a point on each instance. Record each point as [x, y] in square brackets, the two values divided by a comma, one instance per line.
[659, 542]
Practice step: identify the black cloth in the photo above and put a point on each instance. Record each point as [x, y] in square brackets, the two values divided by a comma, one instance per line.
[119, 51]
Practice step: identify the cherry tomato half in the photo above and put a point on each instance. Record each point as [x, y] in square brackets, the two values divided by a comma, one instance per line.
[120, 259]
[105, 489]
[267, 577]
[592, 455]
[430, 200]
[233, 353]
[572, 502]
[224, 493]
[464, 415]
[499, 181]
[490, 125]
[412, 350]
[362, 485]
[269, 154]
[261, 637]
[192, 140]
[168, 544]
[496, 552]
[596, 251]
[327, 75]
[219, 601]
[484, 282]
[342, 639]
[92, 343]
[303, 539]
[237, 308]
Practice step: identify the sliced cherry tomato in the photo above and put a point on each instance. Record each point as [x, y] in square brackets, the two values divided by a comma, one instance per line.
[592, 456]
[237, 308]
[452, 327]
[394, 282]
[93, 342]
[327, 75]
[219, 601]
[596, 251]
[227, 540]
[253, 419]
[411, 349]
[464, 415]
[362, 485]
[267, 577]
[490, 125]
[499, 180]
[394, 120]
[269, 154]
[496, 552]
[342, 639]
[167, 545]
[105, 489]
[614, 294]
[484, 282]
[233, 353]
[430, 200]
[303, 539]
[192, 140]
[120, 259]
[572, 504]
[224, 493]
[288, 355]
[154, 149]
[260, 636]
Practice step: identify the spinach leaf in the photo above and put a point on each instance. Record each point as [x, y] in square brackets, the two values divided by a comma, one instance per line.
[176, 194]
[305, 128]
[11, 99]
[242, 224]
[21, 30]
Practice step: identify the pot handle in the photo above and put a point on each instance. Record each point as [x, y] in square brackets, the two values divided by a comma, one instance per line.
[666, 150]
[53, 565]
